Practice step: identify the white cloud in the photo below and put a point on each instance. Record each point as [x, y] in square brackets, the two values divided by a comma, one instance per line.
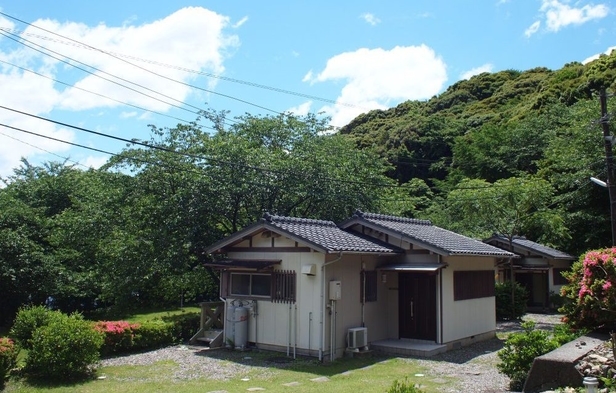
[240, 22]
[370, 18]
[532, 29]
[302, 109]
[595, 57]
[193, 38]
[309, 77]
[128, 115]
[378, 78]
[94, 161]
[477, 70]
[559, 14]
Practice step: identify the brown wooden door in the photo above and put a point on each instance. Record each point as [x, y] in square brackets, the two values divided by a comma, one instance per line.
[417, 305]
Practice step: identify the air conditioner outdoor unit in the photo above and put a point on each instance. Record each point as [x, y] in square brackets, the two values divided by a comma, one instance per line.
[357, 339]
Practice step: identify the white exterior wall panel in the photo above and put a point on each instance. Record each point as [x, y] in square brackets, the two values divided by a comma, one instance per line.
[466, 318]
[271, 324]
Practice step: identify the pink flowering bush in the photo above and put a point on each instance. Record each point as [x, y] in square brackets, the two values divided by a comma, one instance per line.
[8, 358]
[119, 335]
[591, 291]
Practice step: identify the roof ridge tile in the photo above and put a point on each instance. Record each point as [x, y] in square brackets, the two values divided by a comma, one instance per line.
[296, 220]
[385, 217]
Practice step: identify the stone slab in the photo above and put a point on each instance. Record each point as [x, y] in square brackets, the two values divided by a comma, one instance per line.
[557, 368]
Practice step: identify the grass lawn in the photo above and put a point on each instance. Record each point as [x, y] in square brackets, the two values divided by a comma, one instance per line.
[270, 371]
[146, 315]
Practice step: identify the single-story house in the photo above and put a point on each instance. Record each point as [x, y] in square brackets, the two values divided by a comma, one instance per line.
[374, 281]
[537, 268]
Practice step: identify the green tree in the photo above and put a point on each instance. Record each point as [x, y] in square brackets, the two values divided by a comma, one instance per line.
[509, 207]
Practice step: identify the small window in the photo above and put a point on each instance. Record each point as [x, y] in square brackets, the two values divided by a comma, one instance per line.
[367, 281]
[284, 286]
[249, 284]
[557, 276]
[473, 284]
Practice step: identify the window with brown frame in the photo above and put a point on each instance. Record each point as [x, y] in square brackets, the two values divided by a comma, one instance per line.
[557, 276]
[278, 286]
[369, 278]
[473, 284]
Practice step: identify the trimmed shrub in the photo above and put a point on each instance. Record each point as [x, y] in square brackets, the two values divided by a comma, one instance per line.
[8, 358]
[153, 334]
[404, 387]
[119, 336]
[184, 325]
[520, 350]
[67, 348]
[504, 304]
[28, 319]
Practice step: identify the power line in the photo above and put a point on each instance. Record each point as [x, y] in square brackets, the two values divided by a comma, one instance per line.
[97, 94]
[168, 150]
[46, 151]
[80, 44]
[107, 79]
[143, 69]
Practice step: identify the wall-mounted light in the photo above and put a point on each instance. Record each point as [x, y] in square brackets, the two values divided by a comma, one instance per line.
[384, 278]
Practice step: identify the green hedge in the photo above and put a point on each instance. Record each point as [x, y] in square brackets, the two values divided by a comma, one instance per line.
[122, 336]
[67, 348]
[28, 320]
[505, 308]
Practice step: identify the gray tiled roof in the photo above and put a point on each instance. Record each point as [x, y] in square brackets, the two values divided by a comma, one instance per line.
[531, 246]
[327, 235]
[427, 235]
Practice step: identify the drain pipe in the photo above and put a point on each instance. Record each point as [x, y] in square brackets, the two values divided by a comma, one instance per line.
[289, 333]
[332, 340]
[322, 340]
[255, 314]
[295, 333]
[309, 332]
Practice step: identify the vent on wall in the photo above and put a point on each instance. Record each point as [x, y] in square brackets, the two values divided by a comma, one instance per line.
[357, 339]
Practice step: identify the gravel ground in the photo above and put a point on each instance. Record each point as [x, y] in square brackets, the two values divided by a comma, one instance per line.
[474, 366]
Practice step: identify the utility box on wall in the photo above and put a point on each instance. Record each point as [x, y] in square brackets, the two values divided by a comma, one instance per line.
[335, 290]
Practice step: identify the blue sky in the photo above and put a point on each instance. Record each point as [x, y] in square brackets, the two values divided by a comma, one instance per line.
[160, 62]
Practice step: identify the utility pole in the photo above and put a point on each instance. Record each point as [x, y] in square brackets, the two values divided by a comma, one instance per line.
[609, 160]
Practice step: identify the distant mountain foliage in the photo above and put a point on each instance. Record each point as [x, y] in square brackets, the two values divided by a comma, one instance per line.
[537, 123]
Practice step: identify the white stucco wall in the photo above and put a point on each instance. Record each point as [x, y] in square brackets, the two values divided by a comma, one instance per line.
[271, 323]
[466, 318]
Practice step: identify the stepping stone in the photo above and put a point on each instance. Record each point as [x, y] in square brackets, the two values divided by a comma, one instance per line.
[320, 379]
[255, 389]
[291, 384]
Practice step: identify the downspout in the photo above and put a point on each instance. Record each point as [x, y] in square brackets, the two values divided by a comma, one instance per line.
[322, 340]
[363, 295]
[440, 297]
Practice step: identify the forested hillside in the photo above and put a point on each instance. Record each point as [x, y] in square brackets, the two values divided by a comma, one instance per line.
[510, 152]
[511, 127]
